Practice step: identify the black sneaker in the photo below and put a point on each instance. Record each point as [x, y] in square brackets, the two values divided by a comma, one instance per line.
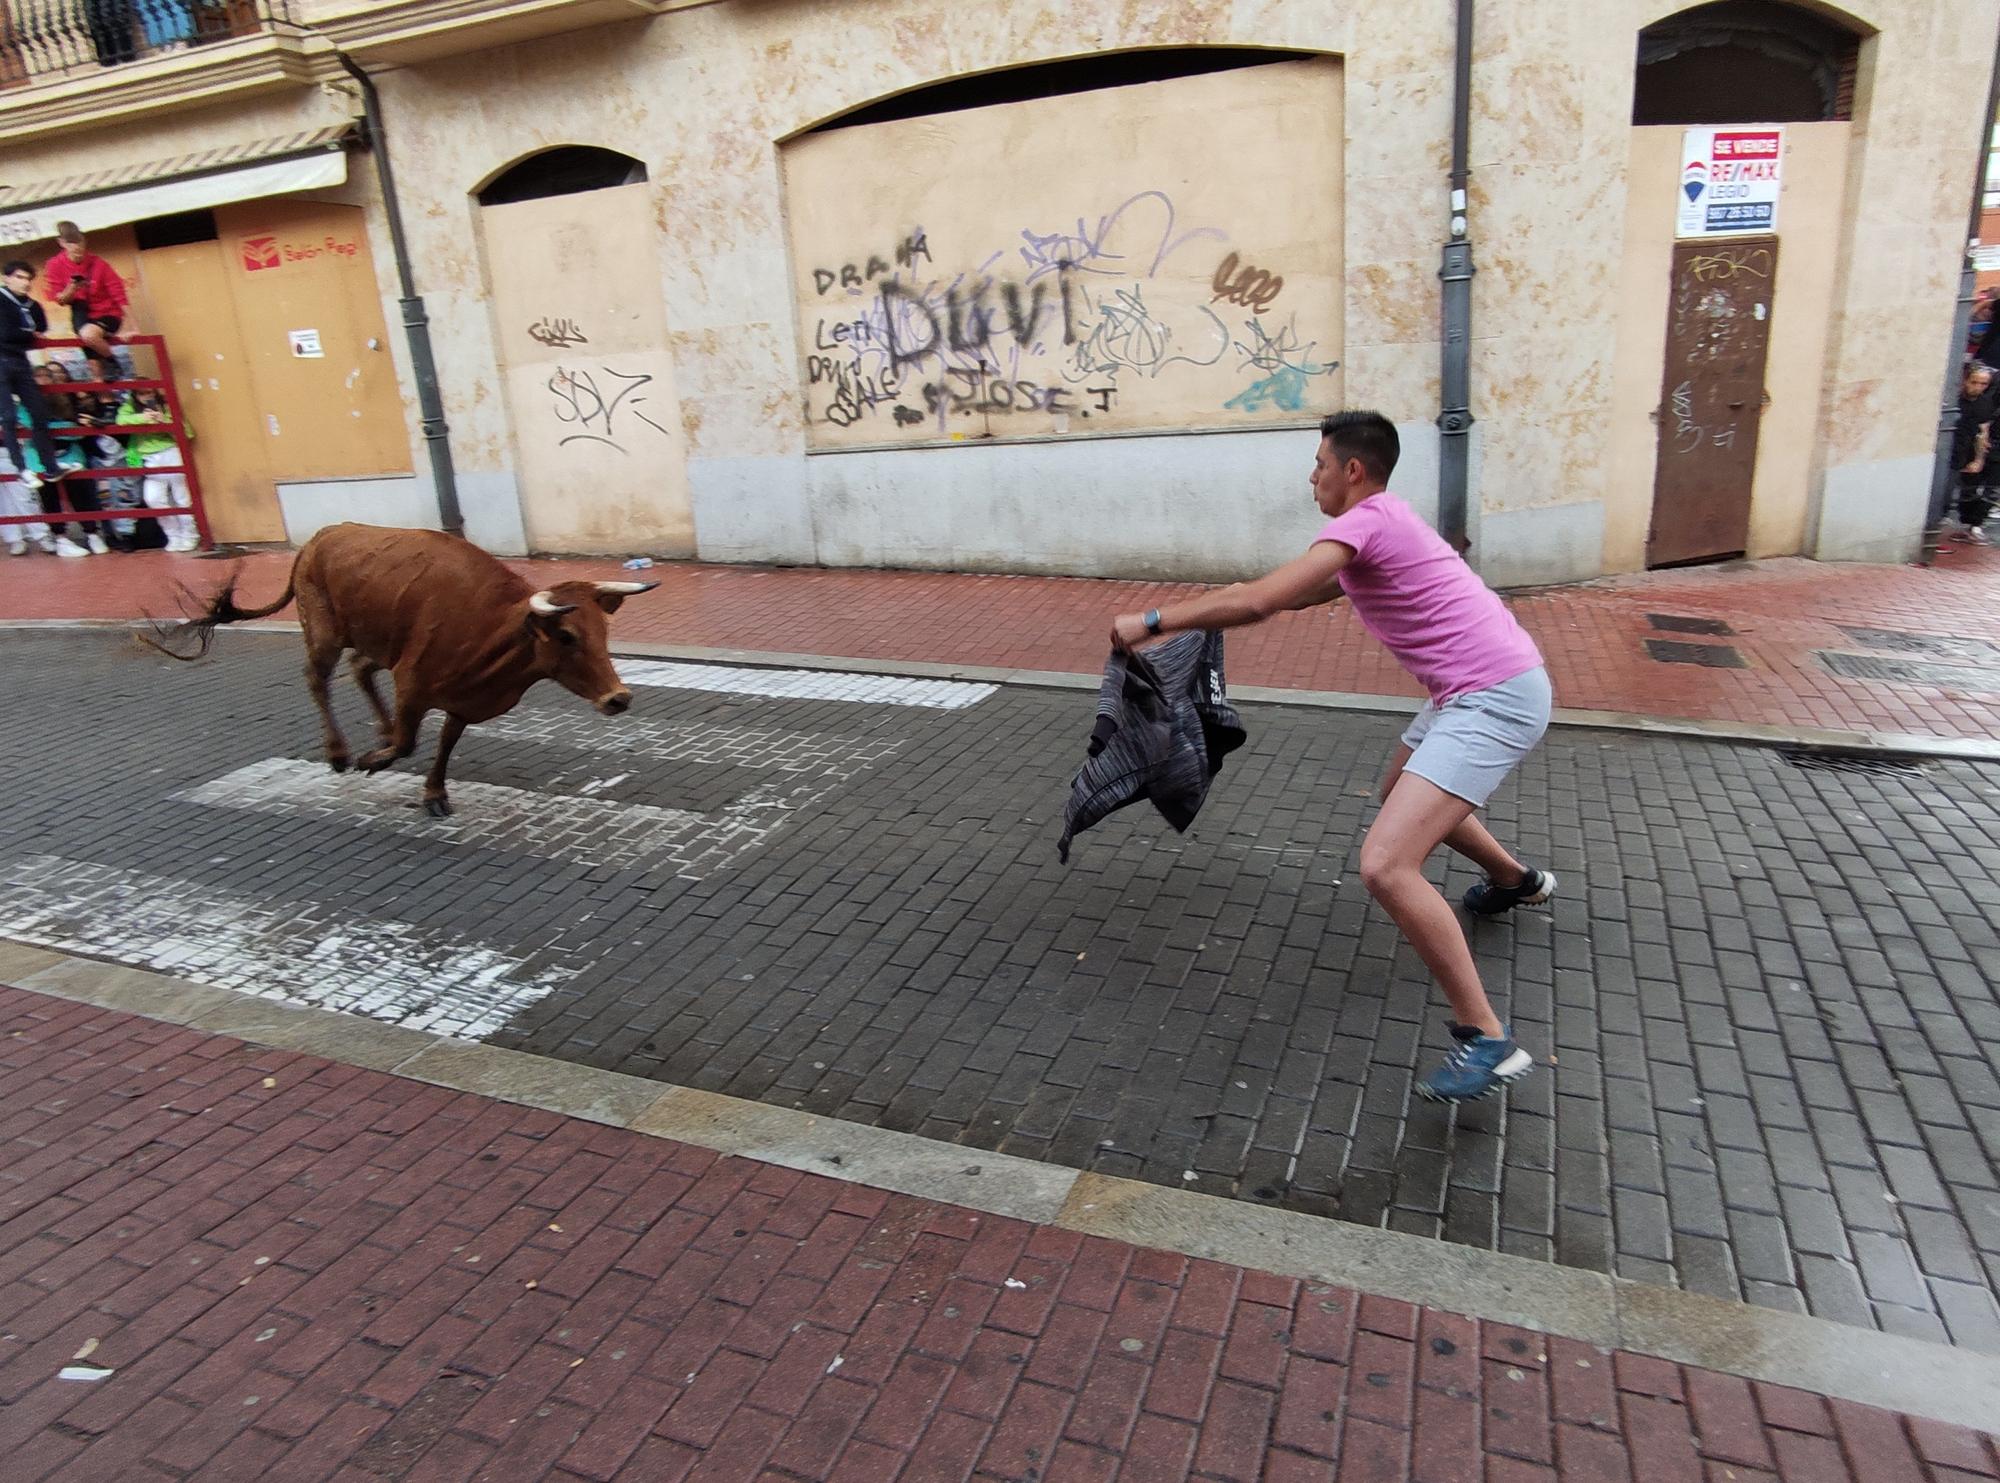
[1489, 900]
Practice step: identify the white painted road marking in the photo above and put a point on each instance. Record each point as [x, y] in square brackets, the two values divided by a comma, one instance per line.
[805, 684]
[575, 829]
[663, 740]
[295, 951]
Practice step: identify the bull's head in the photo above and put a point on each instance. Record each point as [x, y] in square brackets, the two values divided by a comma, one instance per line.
[572, 638]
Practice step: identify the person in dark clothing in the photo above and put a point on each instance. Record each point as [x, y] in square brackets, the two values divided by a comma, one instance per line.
[22, 325]
[1978, 403]
[1987, 351]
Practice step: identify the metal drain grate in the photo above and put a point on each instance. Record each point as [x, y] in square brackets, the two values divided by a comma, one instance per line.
[1711, 656]
[1932, 645]
[1911, 672]
[1675, 623]
[1874, 764]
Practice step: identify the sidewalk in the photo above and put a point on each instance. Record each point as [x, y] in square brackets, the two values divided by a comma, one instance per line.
[1915, 651]
[295, 1269]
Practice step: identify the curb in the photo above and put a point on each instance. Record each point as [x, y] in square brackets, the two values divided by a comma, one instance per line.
[1813, 1354]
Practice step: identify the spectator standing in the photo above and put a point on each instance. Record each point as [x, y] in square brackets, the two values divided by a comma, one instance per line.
[1977, 398]
[151, 451]
[22, 325]
[70, 539]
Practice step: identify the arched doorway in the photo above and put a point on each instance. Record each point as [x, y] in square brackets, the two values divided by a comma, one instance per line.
[1728, 79]
[581, 328]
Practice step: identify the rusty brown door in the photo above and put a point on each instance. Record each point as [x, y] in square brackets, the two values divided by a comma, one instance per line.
[1711, 399]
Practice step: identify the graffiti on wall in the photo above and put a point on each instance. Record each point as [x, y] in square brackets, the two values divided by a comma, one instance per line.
[602, 405]
[1092, 318]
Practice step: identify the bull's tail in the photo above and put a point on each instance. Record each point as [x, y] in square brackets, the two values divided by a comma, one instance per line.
[220, 608]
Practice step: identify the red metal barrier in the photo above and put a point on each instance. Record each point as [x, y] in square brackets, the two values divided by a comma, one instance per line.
[175, 428]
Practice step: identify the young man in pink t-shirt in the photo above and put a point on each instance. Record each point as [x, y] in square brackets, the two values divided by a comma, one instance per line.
[1489, 704]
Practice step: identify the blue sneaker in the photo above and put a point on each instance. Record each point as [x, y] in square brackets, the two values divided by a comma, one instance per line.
[1478, 1066]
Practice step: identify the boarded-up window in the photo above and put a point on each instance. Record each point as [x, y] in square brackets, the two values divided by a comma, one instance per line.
[1159, 256]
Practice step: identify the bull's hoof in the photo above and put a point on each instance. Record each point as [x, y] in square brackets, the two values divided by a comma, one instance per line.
[438, 808]
[374, 761]
[338, 762]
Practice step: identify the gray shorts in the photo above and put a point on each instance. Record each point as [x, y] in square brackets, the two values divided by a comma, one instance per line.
[1468, 745]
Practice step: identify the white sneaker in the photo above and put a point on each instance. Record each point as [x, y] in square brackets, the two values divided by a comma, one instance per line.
[17, 548]
[48, 545]
[31, 480]
[181, 545]
[64, 546]
[97, 545]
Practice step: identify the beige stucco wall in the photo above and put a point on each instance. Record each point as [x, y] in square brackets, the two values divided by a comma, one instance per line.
[1810, 206]
[705, 96]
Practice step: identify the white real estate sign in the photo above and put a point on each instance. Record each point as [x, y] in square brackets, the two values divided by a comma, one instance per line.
[1729, 181]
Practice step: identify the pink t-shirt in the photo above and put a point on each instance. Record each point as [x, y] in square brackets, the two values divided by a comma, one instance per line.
[1429, 609]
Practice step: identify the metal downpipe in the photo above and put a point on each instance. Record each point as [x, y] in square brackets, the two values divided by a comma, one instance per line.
[1455, 409]
[416, 324]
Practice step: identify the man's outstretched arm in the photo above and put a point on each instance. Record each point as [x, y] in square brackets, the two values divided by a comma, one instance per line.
[1300, 583]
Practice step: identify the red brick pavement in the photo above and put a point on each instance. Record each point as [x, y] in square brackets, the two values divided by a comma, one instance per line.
[299, 1270]
[1594, 634]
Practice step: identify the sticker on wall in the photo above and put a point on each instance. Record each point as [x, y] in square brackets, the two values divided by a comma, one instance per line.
[305, 345]
[260, 253]
[1729, 181]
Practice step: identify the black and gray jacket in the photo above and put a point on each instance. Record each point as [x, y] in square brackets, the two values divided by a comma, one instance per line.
[1164, 724]
[21, 321]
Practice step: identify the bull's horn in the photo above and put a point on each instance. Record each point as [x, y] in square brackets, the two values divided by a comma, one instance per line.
[625, 589]
[547, 606]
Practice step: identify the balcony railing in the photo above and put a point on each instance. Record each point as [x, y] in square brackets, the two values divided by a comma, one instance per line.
[44, 40]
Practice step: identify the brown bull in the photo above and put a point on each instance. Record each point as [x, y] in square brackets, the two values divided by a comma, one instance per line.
[457, 631]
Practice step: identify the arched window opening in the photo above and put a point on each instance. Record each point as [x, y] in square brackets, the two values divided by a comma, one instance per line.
[563, 171]
[1745, 61]
[1054, 79]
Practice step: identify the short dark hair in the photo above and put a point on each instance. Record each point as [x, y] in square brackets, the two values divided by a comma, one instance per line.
[17, 265]
[67, 231]
[1368, 436]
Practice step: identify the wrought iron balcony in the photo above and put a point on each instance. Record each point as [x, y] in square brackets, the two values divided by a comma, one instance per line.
[50, 40]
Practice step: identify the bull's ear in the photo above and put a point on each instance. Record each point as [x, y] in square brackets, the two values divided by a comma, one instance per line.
[610, 595]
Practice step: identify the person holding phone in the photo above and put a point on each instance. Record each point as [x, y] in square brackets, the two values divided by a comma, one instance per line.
[94, 292]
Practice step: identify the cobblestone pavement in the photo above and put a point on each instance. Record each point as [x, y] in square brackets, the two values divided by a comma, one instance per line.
[1765, 996]
[258, 1264]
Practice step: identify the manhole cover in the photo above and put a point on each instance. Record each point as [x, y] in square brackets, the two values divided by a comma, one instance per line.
[1833, 759]
[1713, 656]
[1911, 672]
[1932, 645]
[1674, 623]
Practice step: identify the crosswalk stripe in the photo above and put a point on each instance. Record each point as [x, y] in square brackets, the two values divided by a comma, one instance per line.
[574, 829]
[805, 684]
[301, 952]
[671, 741]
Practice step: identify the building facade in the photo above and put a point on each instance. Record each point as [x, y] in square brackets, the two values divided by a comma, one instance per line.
[1031, 286]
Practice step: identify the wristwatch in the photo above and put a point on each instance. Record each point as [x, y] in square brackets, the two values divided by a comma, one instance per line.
[1152, 620]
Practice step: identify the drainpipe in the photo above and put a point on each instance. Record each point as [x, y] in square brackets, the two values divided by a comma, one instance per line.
[1455, 412]
[416, 324]
[1944, 477]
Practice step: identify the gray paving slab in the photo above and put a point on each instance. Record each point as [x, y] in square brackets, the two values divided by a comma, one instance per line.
[1764, 999]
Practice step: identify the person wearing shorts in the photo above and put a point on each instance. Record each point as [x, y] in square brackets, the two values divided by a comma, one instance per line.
[94, 292]
[1489, 705]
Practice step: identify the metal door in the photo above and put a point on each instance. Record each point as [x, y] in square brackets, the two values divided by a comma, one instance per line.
[1711, 399]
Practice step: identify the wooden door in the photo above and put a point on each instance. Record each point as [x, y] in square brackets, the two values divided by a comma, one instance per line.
[188, 298]
[1711, 399]
[309, 311]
